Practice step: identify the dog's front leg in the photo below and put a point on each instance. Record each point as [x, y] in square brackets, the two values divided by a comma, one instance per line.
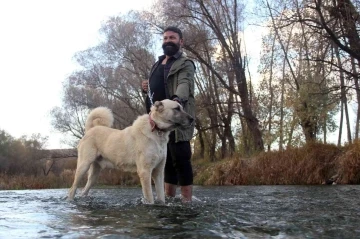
[158, 177]
[145, 179]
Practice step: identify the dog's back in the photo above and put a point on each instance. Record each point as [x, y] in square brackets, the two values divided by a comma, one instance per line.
[99, 116]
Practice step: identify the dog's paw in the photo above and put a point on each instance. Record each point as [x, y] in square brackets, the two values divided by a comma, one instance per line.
[146, 201]
[159, 202]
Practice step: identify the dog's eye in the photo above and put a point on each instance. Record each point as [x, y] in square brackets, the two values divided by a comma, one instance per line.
[178, 108]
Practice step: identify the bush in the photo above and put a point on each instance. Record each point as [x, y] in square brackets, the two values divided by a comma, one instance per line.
[313, 163]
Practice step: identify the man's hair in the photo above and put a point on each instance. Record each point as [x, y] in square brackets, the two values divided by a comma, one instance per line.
[174, 29]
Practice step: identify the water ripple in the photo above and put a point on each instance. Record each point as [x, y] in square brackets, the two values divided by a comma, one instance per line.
[216, 212]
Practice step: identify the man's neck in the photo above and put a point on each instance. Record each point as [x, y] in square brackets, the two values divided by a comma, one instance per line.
[177, 55]
[166, 59]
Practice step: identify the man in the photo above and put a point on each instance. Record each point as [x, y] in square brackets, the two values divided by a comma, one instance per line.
[172, 77]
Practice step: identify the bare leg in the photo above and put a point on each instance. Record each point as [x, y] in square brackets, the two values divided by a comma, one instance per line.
[170, 189]
[93, 174]
[186, 193]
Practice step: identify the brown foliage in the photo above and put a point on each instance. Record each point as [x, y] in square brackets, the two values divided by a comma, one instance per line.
[65, 180]
[60, 174]
[22, 181]
[314, 163]
[118, 177]
[349, 164]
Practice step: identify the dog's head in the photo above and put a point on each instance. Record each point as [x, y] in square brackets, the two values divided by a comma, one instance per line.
[168, 115]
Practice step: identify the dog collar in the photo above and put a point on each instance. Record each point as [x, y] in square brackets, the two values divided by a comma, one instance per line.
[153, 125]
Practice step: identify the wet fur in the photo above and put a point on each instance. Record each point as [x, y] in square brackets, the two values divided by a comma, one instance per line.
[136, 148]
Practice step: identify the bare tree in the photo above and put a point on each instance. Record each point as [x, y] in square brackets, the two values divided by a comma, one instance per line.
[310, 76]
[110, 75]
[217, 24]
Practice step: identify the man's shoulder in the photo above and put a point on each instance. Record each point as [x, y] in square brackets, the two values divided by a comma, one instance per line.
[181, 62]
[185, 59]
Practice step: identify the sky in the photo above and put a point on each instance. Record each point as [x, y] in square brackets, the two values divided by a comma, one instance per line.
[38, 41]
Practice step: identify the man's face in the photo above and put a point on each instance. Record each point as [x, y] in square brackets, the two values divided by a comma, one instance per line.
[171, 43]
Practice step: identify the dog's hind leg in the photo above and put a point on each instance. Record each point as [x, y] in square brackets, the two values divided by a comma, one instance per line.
[83, 165]
[93, 174]
[158, 177]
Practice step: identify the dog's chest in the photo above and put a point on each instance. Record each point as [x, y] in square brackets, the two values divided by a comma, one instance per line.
[156, 154]
[162, 149]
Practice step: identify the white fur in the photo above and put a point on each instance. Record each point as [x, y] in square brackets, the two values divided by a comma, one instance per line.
[99, 116]
[136, 148]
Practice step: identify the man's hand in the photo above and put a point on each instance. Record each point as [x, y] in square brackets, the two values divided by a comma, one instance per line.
[145, 85]
[177, 99]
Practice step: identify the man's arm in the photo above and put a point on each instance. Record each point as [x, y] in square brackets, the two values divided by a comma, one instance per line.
[185, 83]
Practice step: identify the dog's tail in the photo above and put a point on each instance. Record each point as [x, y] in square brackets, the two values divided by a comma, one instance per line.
[99, 116]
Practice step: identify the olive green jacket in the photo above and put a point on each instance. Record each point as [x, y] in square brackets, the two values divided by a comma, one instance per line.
[180, 83]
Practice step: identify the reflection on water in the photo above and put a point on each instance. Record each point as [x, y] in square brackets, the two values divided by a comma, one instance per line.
[217, 212]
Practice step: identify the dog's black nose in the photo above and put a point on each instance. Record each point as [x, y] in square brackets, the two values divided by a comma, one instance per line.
[191, 120]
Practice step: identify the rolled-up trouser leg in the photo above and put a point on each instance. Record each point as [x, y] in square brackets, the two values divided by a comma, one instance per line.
[178, 169]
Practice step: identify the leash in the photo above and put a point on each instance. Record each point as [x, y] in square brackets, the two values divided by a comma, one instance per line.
[159, 132]
[150, 95]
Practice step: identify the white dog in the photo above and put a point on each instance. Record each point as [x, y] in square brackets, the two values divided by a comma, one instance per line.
[141, 147]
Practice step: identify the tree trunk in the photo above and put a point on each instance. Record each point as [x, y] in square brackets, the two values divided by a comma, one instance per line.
[212, 146]
[271, 91]
[341, 123]
[343, 97]
[291, 132]
[251, 121]
[200, 137]
[348, 127]
[357, 91]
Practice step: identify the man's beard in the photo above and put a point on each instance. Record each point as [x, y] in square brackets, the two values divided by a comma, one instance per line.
[170, 48]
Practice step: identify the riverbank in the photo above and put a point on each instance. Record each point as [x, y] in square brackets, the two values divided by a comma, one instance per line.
[312, 164]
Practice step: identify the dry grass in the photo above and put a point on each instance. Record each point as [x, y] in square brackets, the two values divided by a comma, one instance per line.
[65, 180]
[8, 182]
[312, 164]
[118, 177]
[349, 164]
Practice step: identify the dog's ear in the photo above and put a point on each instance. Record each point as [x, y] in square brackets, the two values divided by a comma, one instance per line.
[159, 106]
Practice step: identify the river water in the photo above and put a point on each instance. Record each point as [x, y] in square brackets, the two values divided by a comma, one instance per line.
[217, 212]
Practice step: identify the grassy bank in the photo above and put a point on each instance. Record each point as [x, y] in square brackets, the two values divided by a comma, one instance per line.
[65, 180]
[312, 164]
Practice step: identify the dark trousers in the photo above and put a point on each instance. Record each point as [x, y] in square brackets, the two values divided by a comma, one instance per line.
[178, 169]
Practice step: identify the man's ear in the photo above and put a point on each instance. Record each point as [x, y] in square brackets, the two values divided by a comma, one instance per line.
[159, 106]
